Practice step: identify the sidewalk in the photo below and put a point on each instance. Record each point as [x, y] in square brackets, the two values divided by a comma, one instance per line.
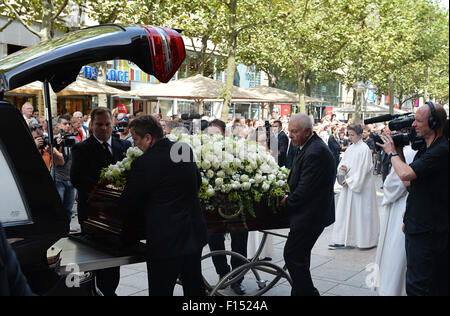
[334, 272]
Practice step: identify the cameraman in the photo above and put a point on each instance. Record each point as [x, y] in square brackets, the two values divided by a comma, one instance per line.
[43, 146]
[65, 142]
[426, 216]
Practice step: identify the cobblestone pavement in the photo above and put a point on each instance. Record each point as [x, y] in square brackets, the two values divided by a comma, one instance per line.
[334, 272]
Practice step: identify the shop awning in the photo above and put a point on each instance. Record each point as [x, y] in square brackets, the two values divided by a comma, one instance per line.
[81, 86]
[370, 109]
[275, 95]
[193, 88]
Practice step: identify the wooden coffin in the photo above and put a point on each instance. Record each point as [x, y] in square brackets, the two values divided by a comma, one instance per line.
[104, 217]
[265, 219]
[106, 220]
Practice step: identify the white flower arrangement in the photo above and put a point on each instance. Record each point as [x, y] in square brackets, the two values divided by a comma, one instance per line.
[116, 175]
[236, 173]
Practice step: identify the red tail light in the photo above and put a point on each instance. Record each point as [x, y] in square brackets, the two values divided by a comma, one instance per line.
[167, 51]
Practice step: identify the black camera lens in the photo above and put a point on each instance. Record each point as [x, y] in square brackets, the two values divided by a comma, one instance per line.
[401, 140]
[399, 124]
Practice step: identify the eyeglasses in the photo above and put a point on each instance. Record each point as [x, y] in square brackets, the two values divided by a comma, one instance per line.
[34, 128]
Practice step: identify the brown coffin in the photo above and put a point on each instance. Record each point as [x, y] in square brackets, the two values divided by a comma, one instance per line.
[265, 219]
[104, 217]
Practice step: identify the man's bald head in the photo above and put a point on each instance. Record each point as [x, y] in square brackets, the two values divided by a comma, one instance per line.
[421, 122]
[300, 129]
[302, 121]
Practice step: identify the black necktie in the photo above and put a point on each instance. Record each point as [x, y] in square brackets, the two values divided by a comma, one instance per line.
[108, 153]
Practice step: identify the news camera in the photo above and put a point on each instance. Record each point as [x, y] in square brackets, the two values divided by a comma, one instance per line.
[67, 140]
[187, 121]
[398, 123]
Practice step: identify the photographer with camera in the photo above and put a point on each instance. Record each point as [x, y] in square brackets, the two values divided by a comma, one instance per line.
[426, 217]
[64, 142]
[43, 145]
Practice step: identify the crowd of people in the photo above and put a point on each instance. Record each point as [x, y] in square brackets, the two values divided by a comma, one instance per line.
[317, 154]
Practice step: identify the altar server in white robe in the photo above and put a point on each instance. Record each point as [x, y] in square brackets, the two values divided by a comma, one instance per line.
[254, 242]
[357, 220]
[391, 253]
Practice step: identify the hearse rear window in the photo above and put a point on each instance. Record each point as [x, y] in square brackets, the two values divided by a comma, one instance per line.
[13, 206]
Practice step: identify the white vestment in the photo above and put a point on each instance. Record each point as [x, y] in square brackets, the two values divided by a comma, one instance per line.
[357, 220]
[254, 241]
[391, 253]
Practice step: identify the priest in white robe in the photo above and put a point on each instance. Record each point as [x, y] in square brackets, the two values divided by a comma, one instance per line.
[357, 220]
[391, 253]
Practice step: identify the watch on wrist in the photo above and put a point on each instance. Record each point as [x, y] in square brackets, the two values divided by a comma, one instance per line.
[394, 153]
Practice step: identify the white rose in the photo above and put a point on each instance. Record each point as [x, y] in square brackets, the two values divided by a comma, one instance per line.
[210, 192]
[225, 164]
[219, 182]
[206, 165]
[244, 178]
[258, 179]
[210, 174]
[221, 174]
[265, 187]
[249, 168]
[246, 186]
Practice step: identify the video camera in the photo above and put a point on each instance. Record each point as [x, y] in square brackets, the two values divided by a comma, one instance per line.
[397, 124]
[267, 126]
[187, 121]
[67, 140]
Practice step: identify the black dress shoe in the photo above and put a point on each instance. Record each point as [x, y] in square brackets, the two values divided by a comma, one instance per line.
[238, 288]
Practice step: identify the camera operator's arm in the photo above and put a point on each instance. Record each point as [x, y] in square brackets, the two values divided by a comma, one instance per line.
[57, 154]
[403, 170]
[58, 157]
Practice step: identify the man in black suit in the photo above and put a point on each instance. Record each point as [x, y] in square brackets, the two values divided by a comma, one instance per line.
[162, 189]
[88, 159]
[283, 142]
[334, 146]
[291, 152]
[310, 203]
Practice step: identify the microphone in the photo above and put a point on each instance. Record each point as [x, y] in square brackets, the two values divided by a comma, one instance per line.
[384, 118]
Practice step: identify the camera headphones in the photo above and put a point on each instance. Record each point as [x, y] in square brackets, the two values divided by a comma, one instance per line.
[433, 121]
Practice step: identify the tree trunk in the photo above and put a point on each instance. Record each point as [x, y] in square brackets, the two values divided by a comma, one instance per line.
[203, 56]
[101, 78]
[231, 62]
[400, 99]
[47, 22]
[301, 89]
[46, 34]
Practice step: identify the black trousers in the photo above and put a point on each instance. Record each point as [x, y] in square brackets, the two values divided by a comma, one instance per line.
[297, 255]
[108, 280]
[164, 272]
[427, 264]
[238, 244]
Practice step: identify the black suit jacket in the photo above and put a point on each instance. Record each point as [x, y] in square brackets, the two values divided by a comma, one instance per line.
[165, 195]
[12, 281]
[335, 148]
[292, 151]
[283, 142]
[88, 160]
[311, 181]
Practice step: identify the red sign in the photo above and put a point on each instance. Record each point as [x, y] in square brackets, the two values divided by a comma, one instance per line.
[285, 110]
[329, 110]
[121, 108]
